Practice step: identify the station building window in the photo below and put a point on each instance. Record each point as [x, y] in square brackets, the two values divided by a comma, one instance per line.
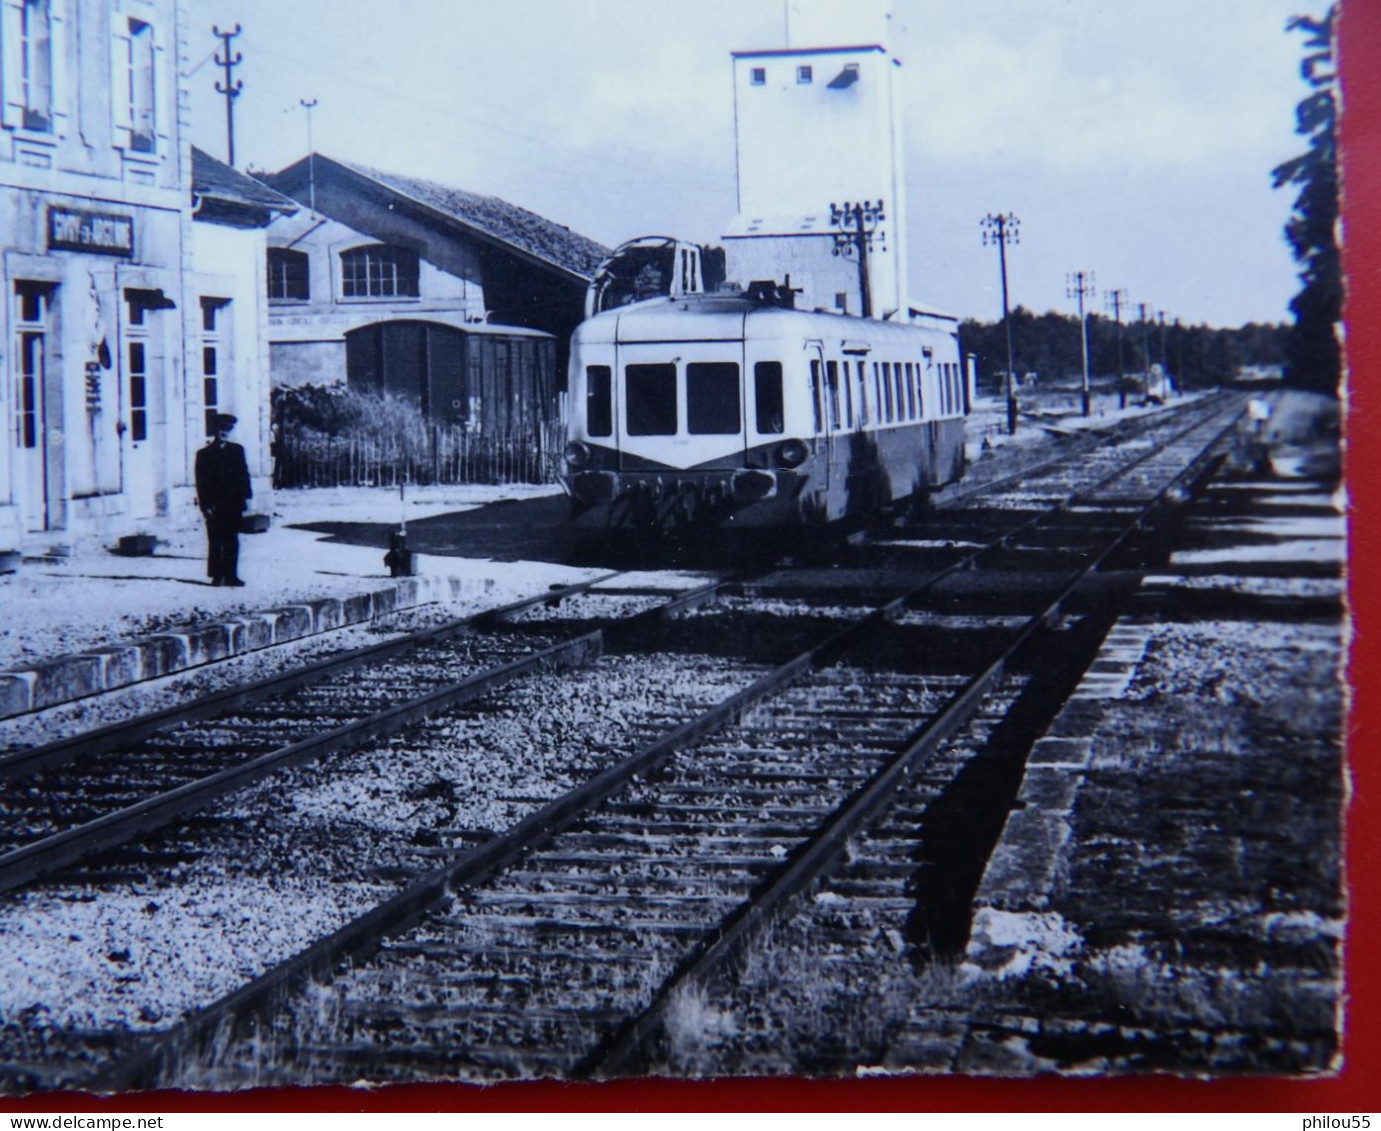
[379, 271]
[287, 274]
[134, 81]
[36, 64]
[214, 317]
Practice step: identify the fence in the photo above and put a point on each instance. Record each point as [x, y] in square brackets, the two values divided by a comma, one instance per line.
[440, 453]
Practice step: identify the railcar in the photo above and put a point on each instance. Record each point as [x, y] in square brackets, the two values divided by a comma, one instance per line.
[735, 410]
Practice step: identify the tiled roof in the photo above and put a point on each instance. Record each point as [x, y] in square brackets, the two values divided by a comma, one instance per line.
[211, 177]
[505, 222]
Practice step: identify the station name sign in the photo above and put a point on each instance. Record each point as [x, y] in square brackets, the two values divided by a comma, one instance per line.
[75, 229]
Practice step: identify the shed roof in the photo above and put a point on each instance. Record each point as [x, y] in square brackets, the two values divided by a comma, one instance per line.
[501, 222]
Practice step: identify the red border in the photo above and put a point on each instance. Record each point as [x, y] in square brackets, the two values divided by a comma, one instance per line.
[1356, 1089]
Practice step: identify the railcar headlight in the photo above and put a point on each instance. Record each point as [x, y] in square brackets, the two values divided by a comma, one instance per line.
[576, 454]
[792, 453]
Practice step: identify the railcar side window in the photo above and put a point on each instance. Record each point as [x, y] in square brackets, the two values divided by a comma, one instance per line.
[888, 402]
[910, 392]
[815, 394]
[651, 399]
[768, 409]
[897, 378]
[920, 391]
[712, 398]
[862, 394]
[832, 382]
[599, 400]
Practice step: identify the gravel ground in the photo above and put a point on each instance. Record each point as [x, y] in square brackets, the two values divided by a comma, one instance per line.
[298, 853]
[1196, 918]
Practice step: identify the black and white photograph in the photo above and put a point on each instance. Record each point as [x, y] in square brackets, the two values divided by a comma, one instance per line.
[751, 539]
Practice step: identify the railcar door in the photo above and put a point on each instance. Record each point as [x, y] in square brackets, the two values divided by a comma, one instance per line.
[649, 409]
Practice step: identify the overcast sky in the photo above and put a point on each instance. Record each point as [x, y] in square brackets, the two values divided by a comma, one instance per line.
[1134, 140]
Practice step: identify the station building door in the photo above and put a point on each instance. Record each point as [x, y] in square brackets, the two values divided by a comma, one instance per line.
[33, 306]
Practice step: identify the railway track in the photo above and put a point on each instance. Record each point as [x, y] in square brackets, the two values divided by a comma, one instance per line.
[578, 942]
[67, 801]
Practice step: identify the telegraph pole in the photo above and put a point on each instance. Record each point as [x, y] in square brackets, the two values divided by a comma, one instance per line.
[231, 88]
[1116, 299]
[1001, 230]
[1164, 357]
[308, 104]
[858, 225]
[1079, 284]
[1143, 309]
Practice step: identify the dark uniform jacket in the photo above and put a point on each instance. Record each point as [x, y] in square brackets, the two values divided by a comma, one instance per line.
[222, 478]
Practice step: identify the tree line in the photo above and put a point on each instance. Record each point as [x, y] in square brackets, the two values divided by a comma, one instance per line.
[1048, 345]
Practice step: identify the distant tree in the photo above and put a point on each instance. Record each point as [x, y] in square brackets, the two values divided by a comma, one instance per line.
[1312, 356]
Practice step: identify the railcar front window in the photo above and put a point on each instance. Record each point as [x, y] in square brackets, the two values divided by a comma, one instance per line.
[651, 399]
[768, 409]
[712, 398]
[599, 400]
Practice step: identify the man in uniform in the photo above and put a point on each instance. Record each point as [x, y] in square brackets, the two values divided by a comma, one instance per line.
[222, 492]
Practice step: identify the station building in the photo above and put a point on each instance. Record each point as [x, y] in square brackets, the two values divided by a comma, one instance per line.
[463, 303]
[117, 280]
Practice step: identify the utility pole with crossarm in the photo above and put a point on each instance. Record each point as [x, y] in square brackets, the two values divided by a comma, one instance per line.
[1116, 300]
[1079, 284]
[857, 226]
[231, 89]
[1003, 229]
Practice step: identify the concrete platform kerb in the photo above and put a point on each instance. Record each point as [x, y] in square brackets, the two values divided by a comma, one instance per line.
[76, 676]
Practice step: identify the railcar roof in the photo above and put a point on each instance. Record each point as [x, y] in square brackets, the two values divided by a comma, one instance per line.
[731, 316]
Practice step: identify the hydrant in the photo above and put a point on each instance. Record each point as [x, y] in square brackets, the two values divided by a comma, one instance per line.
[399, 557]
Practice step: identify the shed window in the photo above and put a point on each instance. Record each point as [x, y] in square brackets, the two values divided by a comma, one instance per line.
[378, 271]
[767, 398]
[287, 270]
[599, 400]
[651, 399]
[712, 398]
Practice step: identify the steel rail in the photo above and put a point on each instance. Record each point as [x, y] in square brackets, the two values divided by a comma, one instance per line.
[105, 739]
[37, 858]
[154, 1058]
[1140, 426]
[627, 1051]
